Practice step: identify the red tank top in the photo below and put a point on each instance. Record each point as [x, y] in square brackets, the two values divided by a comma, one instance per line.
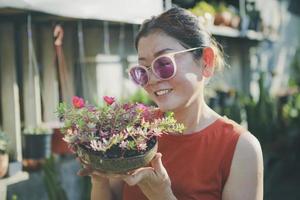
[199, 163]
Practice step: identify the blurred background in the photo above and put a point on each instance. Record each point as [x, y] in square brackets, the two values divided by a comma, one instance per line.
[51, 50]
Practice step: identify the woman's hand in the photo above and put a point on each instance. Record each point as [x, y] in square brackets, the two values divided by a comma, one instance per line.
[104, 186]
[153, 181]
[87, 170]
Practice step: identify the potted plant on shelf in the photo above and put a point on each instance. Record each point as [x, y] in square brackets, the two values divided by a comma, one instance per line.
[3, 153]
[114, 138]
[205, 11]
[36, 146]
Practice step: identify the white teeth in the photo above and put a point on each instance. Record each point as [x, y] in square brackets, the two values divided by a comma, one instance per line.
[162, 92]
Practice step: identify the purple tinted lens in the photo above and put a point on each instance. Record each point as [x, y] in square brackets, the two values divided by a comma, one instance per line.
[164, 67]
[139, 75]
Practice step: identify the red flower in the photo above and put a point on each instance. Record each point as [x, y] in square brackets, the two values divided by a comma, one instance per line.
[109, 100]
[78, 102]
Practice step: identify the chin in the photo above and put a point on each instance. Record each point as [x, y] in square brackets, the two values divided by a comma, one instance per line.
[164, 107]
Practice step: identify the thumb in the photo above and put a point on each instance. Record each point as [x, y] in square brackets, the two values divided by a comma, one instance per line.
[157, 165]
[138, 175]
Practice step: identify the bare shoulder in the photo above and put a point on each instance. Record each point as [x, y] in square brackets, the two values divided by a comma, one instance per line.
[245, 179]
[248, 147]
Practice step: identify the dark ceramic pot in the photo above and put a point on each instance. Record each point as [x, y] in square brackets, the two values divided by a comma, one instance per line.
[118, 165]
[37, 146]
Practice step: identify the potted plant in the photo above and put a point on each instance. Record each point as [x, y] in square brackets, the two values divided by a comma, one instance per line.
[205, 11]
[3, 154]
[114, 138]
[36, 146]
[58, 145]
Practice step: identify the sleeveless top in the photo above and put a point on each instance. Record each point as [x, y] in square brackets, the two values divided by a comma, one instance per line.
[198, 164]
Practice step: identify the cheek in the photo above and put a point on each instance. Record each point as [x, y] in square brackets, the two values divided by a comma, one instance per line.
[149, 92]
[186, 82]
[189, 72]
[186, 74]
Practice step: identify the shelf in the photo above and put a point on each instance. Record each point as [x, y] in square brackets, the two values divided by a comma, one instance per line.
[18, 177]
[225, 31]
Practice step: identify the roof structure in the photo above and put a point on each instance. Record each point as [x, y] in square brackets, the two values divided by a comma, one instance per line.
[128, 11]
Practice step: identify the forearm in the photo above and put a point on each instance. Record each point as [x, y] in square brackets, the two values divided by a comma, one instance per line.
[164, 194]
[101, 190]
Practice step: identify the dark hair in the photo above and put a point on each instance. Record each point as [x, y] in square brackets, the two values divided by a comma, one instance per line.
[184, 27]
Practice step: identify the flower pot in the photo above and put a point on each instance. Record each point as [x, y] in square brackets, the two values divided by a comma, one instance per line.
[59, 146]
[3, 164]
[117, 165]
[37, 146]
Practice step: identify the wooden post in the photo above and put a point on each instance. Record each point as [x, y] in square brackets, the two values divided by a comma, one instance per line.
[31, 85]
[10, 104]
[68, 48]
[50, 93]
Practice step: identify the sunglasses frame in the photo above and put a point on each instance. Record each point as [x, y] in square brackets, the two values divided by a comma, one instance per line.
[170, 55]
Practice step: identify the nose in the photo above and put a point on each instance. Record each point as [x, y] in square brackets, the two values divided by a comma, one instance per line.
[152, 78]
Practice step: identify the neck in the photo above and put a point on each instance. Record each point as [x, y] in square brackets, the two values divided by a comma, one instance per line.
[195, 116]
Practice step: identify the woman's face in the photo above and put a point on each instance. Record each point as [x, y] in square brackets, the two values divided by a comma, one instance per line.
[185, 87]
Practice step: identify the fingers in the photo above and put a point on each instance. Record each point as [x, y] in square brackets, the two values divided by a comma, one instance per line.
[85, 172]
[139, 175]
[108, 175]
[158, 166]
[156, 171]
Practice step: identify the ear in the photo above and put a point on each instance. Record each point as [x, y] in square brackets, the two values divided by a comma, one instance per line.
[208, 57]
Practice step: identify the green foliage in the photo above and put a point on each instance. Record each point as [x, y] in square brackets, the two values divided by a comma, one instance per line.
[262, 116]
[228, 104]
[169, 125]
[86, 188]
[3, 142]
[38, 130]
[294, 80]
[291, 111]
[140, 96]
[52, 182]
[203, 7]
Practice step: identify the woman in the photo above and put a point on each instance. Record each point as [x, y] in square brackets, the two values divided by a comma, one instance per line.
[215, 158]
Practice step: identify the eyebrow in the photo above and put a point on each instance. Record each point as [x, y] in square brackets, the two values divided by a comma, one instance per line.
[156, 54]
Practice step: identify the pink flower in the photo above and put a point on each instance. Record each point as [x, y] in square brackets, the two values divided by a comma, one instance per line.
[141, 107]
[78, 102]
[109, 100]
[144, 110]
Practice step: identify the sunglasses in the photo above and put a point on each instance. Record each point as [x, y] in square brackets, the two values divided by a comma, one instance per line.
[163, 67]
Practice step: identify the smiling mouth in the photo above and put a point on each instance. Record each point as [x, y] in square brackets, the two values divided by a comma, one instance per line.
[162, 92]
